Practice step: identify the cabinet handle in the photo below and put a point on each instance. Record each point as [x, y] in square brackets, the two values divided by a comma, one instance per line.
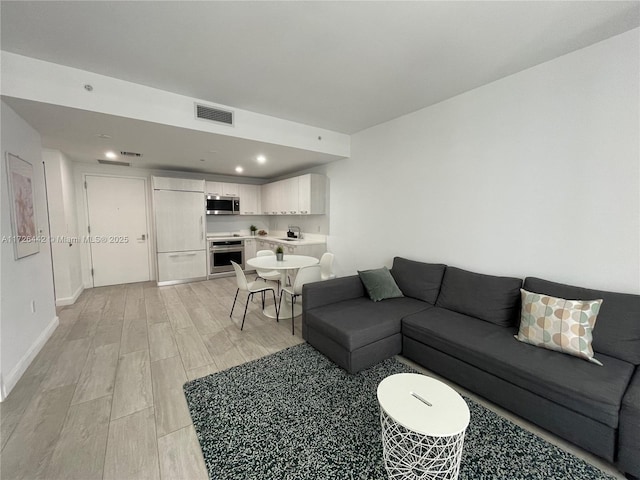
[183, 255]
[201, 228]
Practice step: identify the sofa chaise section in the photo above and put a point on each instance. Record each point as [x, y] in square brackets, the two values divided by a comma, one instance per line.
[342, 322]
[356, 333]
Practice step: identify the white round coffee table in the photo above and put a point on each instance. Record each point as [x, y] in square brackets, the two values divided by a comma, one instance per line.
[423, 425]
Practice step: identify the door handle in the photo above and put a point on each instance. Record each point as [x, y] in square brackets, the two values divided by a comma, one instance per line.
[143, 237]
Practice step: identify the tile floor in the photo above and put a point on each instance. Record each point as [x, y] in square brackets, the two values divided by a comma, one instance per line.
[103, 399]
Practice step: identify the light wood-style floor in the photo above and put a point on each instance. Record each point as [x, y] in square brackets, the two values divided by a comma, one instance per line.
[103, 399]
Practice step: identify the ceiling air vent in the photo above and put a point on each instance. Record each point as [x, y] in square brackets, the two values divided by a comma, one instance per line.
[114, 162]
[214, 114]
[131, 154]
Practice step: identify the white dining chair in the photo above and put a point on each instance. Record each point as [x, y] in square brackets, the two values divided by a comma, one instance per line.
[308, 274]
[326, 262]
[251, 288]
[268, 275]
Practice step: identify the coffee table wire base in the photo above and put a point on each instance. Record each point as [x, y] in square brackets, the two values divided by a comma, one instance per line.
[410, 455]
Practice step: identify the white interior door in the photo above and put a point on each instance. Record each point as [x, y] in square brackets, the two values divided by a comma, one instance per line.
[118, 223]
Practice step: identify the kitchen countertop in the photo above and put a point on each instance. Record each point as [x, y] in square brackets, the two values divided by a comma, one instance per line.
[268, 238]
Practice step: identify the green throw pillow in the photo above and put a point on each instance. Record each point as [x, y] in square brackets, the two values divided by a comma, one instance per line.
[379, 284]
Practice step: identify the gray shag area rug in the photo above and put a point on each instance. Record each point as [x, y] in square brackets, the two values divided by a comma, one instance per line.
[297, 415]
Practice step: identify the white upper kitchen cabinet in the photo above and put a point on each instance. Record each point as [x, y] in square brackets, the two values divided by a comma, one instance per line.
[184, 184]
[222, 188]
[230, 190]
[213, 188]
[268, 198]
[289, 196]
[180, 221]
[312, 189]
[249, 199]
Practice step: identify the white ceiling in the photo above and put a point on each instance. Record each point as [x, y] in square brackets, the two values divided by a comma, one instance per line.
[163, 147]
[344, 66]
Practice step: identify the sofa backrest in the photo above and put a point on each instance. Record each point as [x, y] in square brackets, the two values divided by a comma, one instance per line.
[417, 279]
[487, 297]
[617, 329]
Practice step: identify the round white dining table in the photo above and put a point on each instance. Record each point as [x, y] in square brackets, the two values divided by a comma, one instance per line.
[289, 262]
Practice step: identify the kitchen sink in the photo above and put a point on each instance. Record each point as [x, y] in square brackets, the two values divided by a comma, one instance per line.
[289, 239]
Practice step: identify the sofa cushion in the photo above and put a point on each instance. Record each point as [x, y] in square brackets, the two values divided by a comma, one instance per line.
[490, 298]
[583, 387]
[559, 324]
[417, 279]
[358, 322]
[617, 331]
[379, 284]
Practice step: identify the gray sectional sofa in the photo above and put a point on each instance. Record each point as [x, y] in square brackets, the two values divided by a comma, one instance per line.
[461, 325]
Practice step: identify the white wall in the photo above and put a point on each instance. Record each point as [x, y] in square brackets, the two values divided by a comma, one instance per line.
[23, 332]
[535, 174]
[63, 220]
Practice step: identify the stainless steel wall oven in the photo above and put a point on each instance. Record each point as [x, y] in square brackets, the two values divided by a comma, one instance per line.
[223, 252]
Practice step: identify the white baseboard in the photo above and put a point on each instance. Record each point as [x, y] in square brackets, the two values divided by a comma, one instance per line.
[7, 383]
[61, 302]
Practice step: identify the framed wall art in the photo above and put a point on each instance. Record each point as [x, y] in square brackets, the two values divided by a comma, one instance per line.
[23, 215]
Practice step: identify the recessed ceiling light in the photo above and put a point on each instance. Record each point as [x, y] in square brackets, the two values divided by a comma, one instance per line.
[239, 169]
[261, 159]
[103, 135]
[110, 155]
[202, 159]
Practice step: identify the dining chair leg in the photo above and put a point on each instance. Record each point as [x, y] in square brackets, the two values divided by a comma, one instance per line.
[279, 307]
[234, 302]
[293, 307]
[245, 310]
[275, 305]
[263, 299]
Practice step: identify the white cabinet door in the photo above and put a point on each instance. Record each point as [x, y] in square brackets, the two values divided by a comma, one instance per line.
[214, 188]
[250, 248]
[179, 221]
[174, 266]
[261, 245]
[249, 199]
[185, 184]
[312, 193]
[290, 196]
[304, 194]
[268, 194]
[230, 190]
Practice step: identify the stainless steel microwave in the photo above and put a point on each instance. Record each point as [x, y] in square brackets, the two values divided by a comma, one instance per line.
[218, 205]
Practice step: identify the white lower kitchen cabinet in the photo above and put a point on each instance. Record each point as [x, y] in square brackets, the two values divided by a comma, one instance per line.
[265, 245]
[249, 250]
[181, 266]
[309, 250]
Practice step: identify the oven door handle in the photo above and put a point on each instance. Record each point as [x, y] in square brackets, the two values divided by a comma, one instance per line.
[225, 249]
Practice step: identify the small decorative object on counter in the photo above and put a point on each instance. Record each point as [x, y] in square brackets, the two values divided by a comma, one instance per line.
[262, 233]
[253, 229]
[279, 254]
